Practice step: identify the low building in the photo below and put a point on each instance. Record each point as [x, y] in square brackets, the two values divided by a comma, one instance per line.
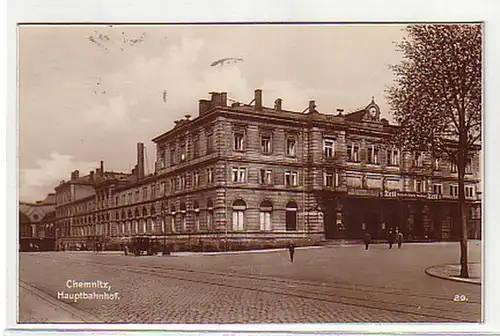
[37, 225]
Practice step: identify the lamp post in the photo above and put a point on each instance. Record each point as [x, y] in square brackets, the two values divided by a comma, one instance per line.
[164, 226]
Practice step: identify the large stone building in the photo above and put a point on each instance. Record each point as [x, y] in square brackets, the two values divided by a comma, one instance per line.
[252, 175]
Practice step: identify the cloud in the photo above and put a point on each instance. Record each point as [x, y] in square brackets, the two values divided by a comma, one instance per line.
[35, 183]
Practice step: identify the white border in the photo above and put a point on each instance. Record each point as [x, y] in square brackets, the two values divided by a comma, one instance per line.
[261, 10]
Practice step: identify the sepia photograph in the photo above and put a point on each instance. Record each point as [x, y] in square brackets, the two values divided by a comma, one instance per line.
[250, 173]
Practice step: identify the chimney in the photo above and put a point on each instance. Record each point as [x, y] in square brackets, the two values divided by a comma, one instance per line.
[277, 104]
[140, 160]
[340, 111]
[72, 176]
[258, 99]
[77, 174]
[223, 99]
[92, 175]
[187, 116]
[98, 171]
[312, 106]
[102, 167]
[204, 106]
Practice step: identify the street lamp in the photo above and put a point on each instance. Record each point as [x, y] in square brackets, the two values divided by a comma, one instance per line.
[164, 226]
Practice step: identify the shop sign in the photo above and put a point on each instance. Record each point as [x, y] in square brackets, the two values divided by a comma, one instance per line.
[427, 196]
[364, 192]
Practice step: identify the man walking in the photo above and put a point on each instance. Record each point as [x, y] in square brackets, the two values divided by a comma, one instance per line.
[399, 239]
[291, 251]
[391, 238]
[367, 239]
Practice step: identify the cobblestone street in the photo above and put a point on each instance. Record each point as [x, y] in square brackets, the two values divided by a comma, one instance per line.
[327, 284]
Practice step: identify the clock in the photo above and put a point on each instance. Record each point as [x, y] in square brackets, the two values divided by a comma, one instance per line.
[373, 112]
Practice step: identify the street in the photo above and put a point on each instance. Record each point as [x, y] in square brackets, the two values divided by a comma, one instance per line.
[325, 284]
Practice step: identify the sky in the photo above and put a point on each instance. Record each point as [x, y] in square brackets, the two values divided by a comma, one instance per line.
[90, 93]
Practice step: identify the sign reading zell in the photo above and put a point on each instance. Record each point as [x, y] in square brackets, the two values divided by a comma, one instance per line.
[406, 194]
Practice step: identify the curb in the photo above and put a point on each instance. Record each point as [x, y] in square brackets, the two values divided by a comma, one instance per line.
[451, 278]
[80, 316]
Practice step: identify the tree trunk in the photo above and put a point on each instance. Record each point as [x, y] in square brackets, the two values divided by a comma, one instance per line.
[462, 159]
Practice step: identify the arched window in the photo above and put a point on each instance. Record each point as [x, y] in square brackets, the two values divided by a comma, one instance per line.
[137, 214]
[210, 215]
[266, 210]
[196, 209]
[129, 213]
[144, 211]
[172, 218]
[183, 216]
[291, 216]
[239, 207]
[153, 210]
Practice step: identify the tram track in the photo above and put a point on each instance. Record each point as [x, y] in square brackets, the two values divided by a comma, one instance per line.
[378, 298]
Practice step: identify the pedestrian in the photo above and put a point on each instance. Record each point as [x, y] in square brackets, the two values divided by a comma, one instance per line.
[367, 239]
[291, 251]
[391, 238]
[399, 239]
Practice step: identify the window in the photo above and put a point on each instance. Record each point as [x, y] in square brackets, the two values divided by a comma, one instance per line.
[182, 152]
[453, 167]
[172, 218]
[137, 195]
[266, 208]
[328, 180]
[162, 188]
[329, 148]
[196, 179]
[196, 147]
[210, 215]
[454, 190]
[436, 163]
[153, 193]
[291, 216]
[418, 159]
[373, 154]
[196, 209]
[265, 143]
[437, 189]
[239, 174]
[291, 146]
[469, 191]
[162, 159]
[239, 141]
[266, 176]
[239, 207]
[418, 186]
[183, 182]
[353, 153]
[144, 193]
[468, 166]
[291, 178]
[172, 157]
[210, 142]
[210, 175]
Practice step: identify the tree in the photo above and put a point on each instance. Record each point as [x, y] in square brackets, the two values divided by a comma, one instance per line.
[436, 98]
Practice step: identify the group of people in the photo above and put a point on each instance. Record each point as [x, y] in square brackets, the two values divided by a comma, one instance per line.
[394, 237]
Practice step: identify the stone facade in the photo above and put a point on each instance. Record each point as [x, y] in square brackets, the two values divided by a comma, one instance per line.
[250, 175]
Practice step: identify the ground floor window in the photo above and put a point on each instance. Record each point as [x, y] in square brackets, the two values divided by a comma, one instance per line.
[266, 208]
[291, 216]
[239, 207]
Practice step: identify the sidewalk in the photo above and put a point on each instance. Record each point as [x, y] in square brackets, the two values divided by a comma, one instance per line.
[452, 272]
[36, 306]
